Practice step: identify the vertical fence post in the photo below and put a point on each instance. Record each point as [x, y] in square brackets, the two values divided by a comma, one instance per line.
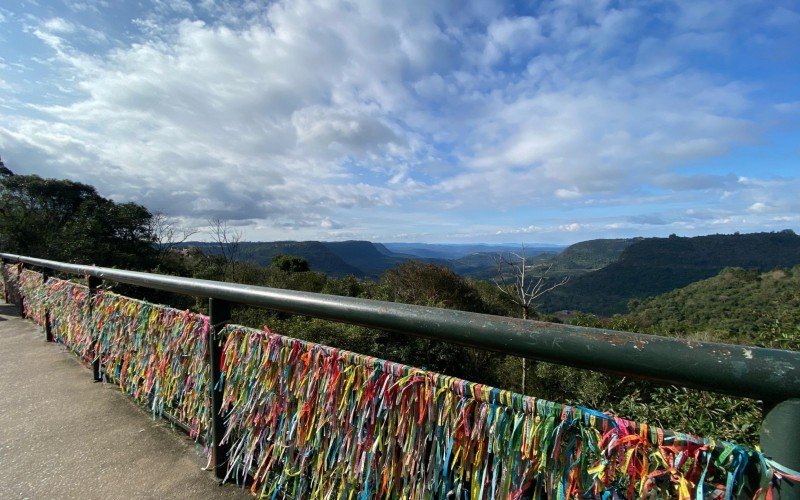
[21, 299]
[48, 331]
[780, 440]
[219, 312]
[3, 263]
[94, 283]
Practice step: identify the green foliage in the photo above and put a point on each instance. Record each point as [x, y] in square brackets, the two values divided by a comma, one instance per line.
[678, 408]
[415, 282]
[350, 286]
[290, 264]
[737, 306]
[699, 412]
[69, 221]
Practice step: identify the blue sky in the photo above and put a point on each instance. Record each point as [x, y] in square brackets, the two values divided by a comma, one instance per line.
[480, 121]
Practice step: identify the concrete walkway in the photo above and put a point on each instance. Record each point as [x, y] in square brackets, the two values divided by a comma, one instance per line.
[63, 436]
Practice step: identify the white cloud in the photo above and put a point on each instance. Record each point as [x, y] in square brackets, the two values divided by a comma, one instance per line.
[512, 38]
[532, 229]
[568, 194]
[58, 25]
[307, 114]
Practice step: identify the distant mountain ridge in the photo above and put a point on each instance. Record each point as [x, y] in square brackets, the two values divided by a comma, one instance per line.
[318, 255]
[589, 255]
[653, 266]
[365, 256]
[605, 274]
[365, 259]
[362, 259]
[452, 251]
[573, 260]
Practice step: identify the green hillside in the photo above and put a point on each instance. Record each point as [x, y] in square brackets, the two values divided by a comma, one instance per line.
[319, 256]
[589, 256]
[736, 306]
[362, 259]
[453, 251]
[483, 265]
[654, 266]
[574, 260]
[364, 256]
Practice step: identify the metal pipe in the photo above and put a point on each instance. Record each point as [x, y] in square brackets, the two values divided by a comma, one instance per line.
[48, 330]
[3, 262]
[758, 373]
[219, 312]
[93, 283]
[780, 440]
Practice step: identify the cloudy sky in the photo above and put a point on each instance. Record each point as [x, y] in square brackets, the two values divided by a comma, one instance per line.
[415, 120]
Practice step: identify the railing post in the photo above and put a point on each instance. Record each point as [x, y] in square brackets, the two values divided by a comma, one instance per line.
[3, 263]
[21, 304]
[780, 440]
[219, 312]
[94, 283]
[48, 331]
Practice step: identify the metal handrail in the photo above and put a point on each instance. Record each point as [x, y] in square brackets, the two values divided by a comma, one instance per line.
[754, 372]
[769, 375]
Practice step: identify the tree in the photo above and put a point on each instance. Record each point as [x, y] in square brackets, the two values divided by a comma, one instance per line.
[4, 171]
[425, 284]
[290, 263]
[522, 283]
[168, 234]
[65, 220]
[415, 282]
[227, 240]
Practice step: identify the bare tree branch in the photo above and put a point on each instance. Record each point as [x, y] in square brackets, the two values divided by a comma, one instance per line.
[167, 233]
[227, 239]
[522, 283]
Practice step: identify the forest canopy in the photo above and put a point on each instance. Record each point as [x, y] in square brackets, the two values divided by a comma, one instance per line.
[69, 221]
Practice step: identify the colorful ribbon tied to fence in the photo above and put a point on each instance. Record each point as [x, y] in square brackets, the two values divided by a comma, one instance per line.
[70, 318]
[34, 293]
[309, 421]
[5, 275]
[156, 354]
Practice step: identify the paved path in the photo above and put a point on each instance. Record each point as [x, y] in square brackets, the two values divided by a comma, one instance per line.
[63, 436]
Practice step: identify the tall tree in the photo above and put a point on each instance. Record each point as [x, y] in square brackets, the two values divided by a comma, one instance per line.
[415, 282]
[4, 171]
[227, 239]
[65, 220]
[522, 283]
[168, 233]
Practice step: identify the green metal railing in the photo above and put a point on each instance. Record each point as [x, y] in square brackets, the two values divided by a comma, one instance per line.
[769, 375]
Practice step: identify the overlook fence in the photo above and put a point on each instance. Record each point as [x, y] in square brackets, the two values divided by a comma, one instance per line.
[300, 419]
